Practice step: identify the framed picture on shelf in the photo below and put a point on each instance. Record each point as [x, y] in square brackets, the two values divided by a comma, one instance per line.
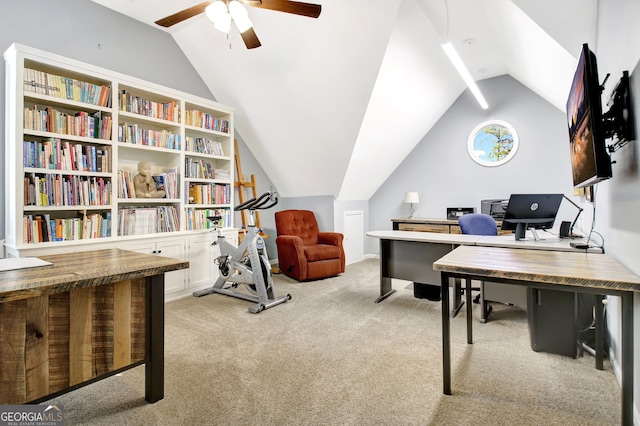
[492, 143]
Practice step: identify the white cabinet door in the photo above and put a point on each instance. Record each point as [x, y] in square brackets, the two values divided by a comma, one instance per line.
[201, 260]
[174, 281]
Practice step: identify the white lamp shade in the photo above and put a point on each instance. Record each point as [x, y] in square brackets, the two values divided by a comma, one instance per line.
[235, 8]
[215, 10]
[411, 197]
[223, 23]
[240, 16]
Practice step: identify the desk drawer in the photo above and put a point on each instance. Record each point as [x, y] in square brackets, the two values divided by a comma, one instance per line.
[455, 229]
[424, 227]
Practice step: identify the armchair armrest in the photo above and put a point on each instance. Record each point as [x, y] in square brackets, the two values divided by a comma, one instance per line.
[334, 239]
[330, 238]
[291, 256]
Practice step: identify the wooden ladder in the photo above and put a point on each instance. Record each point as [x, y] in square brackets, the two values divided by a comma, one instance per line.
[242, 186]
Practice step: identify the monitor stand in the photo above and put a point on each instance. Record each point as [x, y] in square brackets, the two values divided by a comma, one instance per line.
[521, 232]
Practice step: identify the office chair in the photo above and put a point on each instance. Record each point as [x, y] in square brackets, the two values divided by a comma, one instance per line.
[479, 224]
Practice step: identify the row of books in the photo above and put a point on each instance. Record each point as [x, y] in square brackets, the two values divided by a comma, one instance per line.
[204, 169]
[147, 220]
[209, 193]
[43, 228]
[60, 190]
[44, 83]
[49, 119]
[203, 146]
[167, 181]
[197, 218]
[134, 134]
[222, 174]
[57, 154]
[203, 120]
[169, 111]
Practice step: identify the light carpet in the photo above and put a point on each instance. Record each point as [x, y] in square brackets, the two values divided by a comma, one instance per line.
[331, 356]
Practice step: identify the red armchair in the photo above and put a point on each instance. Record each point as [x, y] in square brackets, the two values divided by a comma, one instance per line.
[305, 253]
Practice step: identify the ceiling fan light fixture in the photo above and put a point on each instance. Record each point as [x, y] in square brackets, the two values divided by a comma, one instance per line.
[223, 23]
[236, 9]
[216, 10]
[240, 16]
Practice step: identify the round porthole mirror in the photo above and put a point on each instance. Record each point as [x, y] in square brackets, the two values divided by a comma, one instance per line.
[492, 143]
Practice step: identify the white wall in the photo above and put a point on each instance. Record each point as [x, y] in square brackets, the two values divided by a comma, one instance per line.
[618, 49]
[444, 174]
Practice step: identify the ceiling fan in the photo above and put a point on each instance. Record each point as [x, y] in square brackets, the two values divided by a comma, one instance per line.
[222, 12]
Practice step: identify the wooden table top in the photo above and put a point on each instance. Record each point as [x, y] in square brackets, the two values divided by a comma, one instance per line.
[82, 269]
[552, 267]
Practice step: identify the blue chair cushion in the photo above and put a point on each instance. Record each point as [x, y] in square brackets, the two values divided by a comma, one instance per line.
[478, 224]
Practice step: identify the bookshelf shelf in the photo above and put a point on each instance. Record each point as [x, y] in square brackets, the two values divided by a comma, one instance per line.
[74, 128]
[143, 201]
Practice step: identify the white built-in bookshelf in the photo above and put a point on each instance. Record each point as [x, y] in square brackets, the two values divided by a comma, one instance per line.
[75, 134]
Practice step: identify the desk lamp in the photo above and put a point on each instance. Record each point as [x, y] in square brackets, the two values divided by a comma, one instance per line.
[411, 198]
[580, 209]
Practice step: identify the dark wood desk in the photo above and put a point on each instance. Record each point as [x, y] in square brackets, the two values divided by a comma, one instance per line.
[588, 273]
[87, 316]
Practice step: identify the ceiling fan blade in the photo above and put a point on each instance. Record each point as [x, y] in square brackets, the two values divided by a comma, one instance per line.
[183, 15]
[250, 39]
[295, 7]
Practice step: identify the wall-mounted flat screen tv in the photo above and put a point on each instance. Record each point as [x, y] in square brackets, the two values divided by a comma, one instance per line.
[590, 161]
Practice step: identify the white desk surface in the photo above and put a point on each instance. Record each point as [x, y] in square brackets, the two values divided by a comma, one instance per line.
[425, 237]
[507, 241]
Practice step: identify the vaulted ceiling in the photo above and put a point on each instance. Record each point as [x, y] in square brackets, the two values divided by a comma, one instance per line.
[331, 106]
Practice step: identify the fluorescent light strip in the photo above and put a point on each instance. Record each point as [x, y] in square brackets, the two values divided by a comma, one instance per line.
[464, 73]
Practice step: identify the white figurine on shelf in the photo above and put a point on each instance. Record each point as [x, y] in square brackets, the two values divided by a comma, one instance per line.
[144, 184]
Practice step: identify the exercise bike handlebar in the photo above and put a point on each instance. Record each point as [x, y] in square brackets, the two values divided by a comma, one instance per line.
[259, 203]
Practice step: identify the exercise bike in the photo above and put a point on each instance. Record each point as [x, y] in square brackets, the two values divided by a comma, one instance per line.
[248, 264]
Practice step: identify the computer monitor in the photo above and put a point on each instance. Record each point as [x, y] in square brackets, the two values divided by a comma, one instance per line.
[530, 211]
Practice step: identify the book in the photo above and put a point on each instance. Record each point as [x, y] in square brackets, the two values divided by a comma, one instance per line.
[159, 180]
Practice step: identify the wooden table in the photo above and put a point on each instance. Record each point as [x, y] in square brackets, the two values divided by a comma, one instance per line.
[587, 273]
[87, 316]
